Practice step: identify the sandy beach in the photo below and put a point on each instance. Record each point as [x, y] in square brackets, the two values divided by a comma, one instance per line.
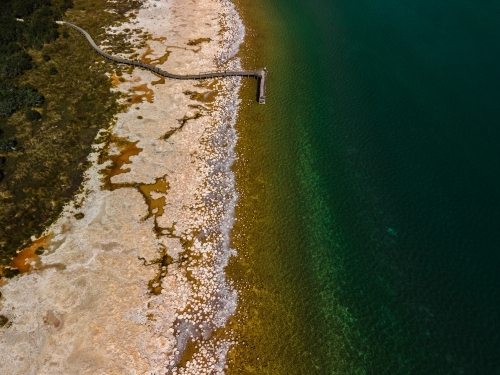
[131, 279]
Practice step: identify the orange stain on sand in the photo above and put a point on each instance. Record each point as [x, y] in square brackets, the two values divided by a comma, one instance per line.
[161, 81]
[22, 261]
[123, 158]
[141, 92]
[126, 150]
[144, 56]
[116, 79]
[154, 61]
[156, 206]
[160, 39]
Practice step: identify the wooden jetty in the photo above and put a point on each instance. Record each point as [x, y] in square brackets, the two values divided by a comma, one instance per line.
[260, 75]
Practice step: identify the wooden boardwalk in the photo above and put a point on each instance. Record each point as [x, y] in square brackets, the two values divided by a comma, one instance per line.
[260, 75]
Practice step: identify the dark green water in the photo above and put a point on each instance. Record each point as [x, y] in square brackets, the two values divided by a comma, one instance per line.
[383, 126]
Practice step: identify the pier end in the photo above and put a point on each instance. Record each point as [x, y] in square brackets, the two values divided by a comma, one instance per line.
[262, 86]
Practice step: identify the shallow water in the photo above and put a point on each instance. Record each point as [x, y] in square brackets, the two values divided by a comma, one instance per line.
[368, 189]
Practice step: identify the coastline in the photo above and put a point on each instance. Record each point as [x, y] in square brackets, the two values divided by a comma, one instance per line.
[132, 276]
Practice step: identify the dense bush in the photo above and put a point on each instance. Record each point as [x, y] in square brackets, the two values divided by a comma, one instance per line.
[29, 96]
[14, 65]
[32, 115]
[42, 28]
[13, 98]
[38, 28]
[8, 100]
[22, 8]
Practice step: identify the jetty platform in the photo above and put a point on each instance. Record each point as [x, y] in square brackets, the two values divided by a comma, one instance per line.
[260, 75]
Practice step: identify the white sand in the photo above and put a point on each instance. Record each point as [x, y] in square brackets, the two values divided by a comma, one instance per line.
[87, 308]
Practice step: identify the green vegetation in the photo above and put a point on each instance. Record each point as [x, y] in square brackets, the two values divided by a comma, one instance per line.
[13, 97]
[33, 115]
[48, 121]
[36, 28]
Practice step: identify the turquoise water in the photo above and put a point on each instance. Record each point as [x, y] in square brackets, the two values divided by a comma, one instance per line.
[383, 123]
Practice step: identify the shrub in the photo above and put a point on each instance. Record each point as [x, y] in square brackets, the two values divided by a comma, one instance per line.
[8, 145]
[22, 8]
[28, 96]
[33, 115]
[8, 106]
[12, 98]
[8, 99]
[15, 64]
[53, 71]
[46, 57]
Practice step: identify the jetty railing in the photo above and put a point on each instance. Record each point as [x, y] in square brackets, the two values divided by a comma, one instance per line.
[260, 75]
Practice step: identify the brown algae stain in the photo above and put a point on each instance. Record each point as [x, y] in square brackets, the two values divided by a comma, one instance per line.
[182, 122]
[155, 205]
[2, 277]
[141, 92]
[214, 84]
[22, 261]
[204, 97]
[162, 262]
[161, 81]
[189, 352]
[185, 119]
[144, 56]
[195, 42]
[123, 158]
[160, 39]
[154, 61]
[126, 149]
[116, 78]
[164, 58]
